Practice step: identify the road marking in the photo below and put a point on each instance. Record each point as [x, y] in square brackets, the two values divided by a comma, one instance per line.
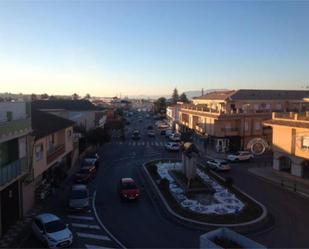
[85, 226]
[120, 142]
[161, 143]
[129, 143]
[152, 143]
[95, 247]
[143, 143]
[147, 145]
[157, 144]
[80, 217]
[101, 224]
[93, 236]
[134, 144]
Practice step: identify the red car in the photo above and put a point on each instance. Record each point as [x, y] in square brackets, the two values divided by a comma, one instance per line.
[128, 189]
[85, 174]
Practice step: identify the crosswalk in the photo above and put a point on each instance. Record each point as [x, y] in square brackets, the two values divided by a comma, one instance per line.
[88, 231]
[140, 143]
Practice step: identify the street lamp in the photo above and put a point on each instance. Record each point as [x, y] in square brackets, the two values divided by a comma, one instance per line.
[245, 108]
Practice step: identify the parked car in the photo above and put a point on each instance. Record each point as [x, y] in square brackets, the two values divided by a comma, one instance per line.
[168, 132]
[175, 137]
[172, 146]
[218, 164]
[49, 229]
[85, 174]
[91, 159]
[136, 135]
[151, 133]
[128, 190]
[79, 198]
[240, 156]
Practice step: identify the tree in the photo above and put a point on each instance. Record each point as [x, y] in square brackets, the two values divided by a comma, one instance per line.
[183, 98]
[33, 97]
[75, 96]
[87, 96]
[175, 96]
[44, 96]
[160, 105]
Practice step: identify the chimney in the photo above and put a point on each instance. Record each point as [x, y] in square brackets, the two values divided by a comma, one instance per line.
[202, 91]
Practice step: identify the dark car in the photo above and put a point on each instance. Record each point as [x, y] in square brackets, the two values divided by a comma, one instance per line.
[136, 135]
[91, 159]
[128, 190]
[85, 174]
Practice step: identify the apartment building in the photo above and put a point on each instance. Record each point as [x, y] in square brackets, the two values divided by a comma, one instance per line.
[233, 120]
[15, 127]
[290, 142]
[172, 114]
[53, 154]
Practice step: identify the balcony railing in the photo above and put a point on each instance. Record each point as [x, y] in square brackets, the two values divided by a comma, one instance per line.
[14, 127]
[55, 153]
[11, 171]
[230, 129]
[293, 116]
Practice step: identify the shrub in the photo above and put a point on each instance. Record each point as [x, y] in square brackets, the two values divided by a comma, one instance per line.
[229, 181]
[164, 184]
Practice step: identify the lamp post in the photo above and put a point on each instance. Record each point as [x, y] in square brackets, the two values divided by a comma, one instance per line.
[245, 108]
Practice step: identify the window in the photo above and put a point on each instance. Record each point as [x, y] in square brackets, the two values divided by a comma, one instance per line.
[38, 152]
[69, 134]
[257, 126]
[246, 126]
[305, 142]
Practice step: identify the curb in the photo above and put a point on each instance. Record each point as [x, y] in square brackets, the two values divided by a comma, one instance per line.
[206, 224]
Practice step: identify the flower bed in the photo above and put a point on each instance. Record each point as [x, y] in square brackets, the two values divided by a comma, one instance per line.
[223, 206]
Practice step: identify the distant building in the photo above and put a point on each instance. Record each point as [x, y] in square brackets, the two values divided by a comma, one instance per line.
[82, 112]
[172, 114]
[233, 120]
[15, 127]
[290, 142]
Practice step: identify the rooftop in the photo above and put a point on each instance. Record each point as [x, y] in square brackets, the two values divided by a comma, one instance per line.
[72, 105]
[44, 123]
[252, 94]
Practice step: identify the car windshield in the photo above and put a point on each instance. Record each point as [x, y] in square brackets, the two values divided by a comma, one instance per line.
[129, 185]
[79, 194]
[54, 226]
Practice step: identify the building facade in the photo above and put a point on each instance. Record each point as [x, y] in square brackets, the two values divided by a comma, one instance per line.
[233, 120]
[53, 154]
[290, 142]
[15, 127]
[172, 114]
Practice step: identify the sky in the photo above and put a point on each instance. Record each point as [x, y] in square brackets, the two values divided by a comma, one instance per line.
[108, 48]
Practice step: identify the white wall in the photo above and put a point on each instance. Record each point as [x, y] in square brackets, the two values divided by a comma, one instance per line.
[17, 108]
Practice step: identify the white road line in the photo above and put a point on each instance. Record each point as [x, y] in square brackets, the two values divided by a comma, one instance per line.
[151, 143]
[93, 236]
[138, 143]
[102, 225]
[80, 217]
[85, 226]
[129, 144]
[161, 143]
[157, 144]
[134, 144]
[95, 247]
[147, 145]
[120, 142]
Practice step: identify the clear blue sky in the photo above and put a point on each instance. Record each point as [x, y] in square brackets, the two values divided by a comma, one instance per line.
[149, 47]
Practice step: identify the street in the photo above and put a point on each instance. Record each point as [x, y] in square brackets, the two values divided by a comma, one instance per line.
[142, 224]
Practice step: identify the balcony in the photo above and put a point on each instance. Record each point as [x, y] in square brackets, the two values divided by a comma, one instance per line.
[292, 116]
[54, 153]
[14, 128]
[13, 170]
[200, 128]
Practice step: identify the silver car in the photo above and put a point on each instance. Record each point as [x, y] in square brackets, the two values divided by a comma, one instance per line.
[49, 229]
[79, 198]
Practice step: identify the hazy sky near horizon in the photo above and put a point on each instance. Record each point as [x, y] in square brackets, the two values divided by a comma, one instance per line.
[149, 47]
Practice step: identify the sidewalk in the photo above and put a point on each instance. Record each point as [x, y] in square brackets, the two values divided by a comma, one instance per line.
[293, 183]
[17, 233]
